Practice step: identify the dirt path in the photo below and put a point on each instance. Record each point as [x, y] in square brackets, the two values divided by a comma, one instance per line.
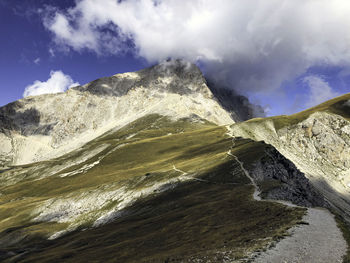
[319, 240]
[256, 191]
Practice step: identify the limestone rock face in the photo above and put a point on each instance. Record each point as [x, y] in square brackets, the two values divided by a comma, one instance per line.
[325, 140]
[47, 126]
[319, 146]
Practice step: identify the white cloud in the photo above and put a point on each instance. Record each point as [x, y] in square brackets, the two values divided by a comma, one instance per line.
[52, 52]
[249, 44]
[36, 61]
[253, 46]
[320, 91]
[58, 82]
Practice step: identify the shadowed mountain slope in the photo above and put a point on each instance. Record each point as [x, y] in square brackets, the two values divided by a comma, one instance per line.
[151, 191]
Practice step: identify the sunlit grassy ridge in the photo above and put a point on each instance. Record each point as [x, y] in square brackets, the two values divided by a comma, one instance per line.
[193, 199]
[339, 105]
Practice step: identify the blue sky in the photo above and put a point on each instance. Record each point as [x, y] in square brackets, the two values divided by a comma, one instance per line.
[25, 39]
[285, 55]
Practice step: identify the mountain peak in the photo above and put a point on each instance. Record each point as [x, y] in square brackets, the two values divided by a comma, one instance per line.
[66, 121]
[178, 67]
[175, 76]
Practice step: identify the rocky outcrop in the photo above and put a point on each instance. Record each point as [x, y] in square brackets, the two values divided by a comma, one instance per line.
[279, 179]
[317, 145]
[173, 76]
[47, 126]
[238, 105]
[324, 139]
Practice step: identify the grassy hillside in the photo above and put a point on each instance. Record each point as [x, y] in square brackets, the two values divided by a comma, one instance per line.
[167, 190]
[339, 105]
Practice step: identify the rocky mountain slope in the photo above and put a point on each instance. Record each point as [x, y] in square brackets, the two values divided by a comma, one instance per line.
[43, 127]
[317, 141]
[150, 166]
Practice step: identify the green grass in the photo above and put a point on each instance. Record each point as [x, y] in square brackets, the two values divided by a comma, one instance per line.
[336, 106]
[195, 219]
[152, 150]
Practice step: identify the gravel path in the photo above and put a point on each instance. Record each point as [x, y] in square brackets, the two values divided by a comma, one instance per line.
[320, 241]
